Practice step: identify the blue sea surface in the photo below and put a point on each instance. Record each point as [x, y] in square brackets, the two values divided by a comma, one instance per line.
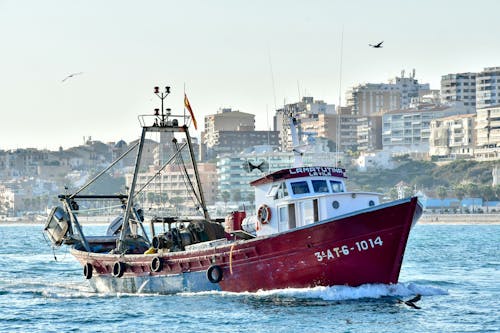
[454, 267]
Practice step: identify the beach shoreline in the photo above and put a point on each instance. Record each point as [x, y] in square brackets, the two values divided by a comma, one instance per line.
[473, 219]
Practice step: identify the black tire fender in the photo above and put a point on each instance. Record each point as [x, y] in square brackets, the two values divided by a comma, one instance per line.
[118, 269]
[214, 274]
[156, 264]
[87, 270]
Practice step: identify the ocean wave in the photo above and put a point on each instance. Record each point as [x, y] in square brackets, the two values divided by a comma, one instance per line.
[340, 293]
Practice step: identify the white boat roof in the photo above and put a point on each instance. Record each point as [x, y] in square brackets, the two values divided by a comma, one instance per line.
[300, 172]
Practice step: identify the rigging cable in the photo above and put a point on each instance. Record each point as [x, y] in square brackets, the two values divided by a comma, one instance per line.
[186, 176]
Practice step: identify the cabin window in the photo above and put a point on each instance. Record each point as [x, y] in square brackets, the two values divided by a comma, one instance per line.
[273, 190]
[283, 218]
[319, 186]
[307, 212]
[300, 187]
[336, 186]
[282, 191]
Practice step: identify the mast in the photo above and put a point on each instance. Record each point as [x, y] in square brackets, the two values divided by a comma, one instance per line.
[130, 201]
[339, 116]
[297, 154]
[196, 174]
[164, 121]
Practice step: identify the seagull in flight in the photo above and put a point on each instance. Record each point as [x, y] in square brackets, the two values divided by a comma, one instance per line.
[71, 75]
[377, 46]
[411, 302]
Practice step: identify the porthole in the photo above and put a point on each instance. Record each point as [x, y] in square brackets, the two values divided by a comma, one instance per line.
[371, 203]
[335, 204]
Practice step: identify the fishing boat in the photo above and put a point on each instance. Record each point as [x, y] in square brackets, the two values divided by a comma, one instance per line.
[308, 230]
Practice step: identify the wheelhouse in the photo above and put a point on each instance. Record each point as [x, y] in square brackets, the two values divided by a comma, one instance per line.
[296, 197]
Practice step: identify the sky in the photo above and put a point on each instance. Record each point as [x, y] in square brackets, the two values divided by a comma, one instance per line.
[251, 56]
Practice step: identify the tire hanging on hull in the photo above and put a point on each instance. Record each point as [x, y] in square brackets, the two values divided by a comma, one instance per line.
[87, 270]
[214, 274]
[118, 269]
[156, 264]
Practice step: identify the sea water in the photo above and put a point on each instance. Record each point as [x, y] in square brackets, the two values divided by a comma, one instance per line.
[454, 267]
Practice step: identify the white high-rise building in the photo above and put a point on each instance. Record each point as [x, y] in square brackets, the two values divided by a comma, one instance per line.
[369, 98]
[453, 137]
[459, 87]
[411, 128]
[306, 111]
[488, 87]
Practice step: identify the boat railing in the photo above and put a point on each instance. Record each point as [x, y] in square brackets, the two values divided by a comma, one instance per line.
[166, 120]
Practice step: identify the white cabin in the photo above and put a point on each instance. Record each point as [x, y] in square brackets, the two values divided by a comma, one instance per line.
[295, 197]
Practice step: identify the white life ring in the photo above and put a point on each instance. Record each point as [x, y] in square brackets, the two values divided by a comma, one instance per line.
[264, 214]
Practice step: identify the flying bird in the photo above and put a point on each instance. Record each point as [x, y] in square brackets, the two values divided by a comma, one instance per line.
[249, 166]
[411, 302]
[71, 75]
[377, 46]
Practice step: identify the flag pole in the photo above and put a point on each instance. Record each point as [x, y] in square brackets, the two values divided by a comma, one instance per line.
[184, 103]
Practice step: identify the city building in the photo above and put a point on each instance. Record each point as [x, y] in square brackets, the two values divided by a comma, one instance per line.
[411, 128]
[170, 189]
[235, 174]
[453, 137]
[369, 98]
[306, 112]
[231, 131]
[488, 133]
[459, 87]
[488, 87]
[374, 160]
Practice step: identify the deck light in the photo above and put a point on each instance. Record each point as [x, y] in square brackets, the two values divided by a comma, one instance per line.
[157, 112]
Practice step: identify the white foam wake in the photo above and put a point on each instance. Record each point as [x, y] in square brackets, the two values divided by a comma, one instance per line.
[339, 293]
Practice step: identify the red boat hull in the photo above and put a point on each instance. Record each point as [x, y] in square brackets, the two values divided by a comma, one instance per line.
[363, 247]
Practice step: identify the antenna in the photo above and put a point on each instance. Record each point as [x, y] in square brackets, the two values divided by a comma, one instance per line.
[268, 129]
[272, 77]
[164, 113]
[340, 99]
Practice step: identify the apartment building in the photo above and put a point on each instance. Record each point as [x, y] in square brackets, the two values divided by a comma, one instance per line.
[488, 133]
[370, 98]
[488, 87]
[306, 112]
[453, 137]
[230, 131]
[459, 87]
[411, 128]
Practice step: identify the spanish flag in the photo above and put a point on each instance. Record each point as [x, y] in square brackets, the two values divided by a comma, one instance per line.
[188, 106]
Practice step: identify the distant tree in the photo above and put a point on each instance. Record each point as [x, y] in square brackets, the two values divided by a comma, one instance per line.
[393, 193]
[496, 189]
[150, 197]
[251, 197]
[401, 158]
[441, 193]
[472, 190]
[332, 145]
[26, 203]
[460, 194]
[236, 196]
[176, 201]
[427, 181]
[225, 197]
[163, 197]
[487, 194]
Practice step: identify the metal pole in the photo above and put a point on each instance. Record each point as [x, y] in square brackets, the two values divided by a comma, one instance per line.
[196, 173]
[126, 222]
